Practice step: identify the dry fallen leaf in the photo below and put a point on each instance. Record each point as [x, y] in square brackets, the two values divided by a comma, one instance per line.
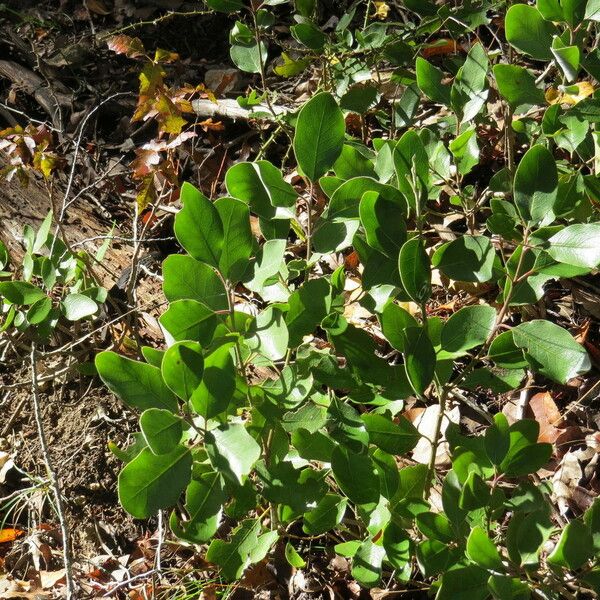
[565, 480]
[98, 7]
[426, 424]
[9, 535]
[555, 96]
[124, 44]
[49, 579]
[441, 48]
[546, 413]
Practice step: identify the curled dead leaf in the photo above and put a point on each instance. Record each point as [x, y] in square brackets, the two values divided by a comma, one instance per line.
[546, 413]
[124, 44]
[10, 535]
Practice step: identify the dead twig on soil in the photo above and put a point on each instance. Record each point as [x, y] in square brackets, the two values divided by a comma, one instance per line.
[13, 417]
[128, 581]
[230, 109]
[54, 481]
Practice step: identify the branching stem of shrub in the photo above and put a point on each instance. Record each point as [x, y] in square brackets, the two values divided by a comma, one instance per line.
[54, 482]
[154, 22]
[309, 202]
[231, 304]
[448, 387]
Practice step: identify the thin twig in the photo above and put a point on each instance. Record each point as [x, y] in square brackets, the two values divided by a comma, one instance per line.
[154, 22]
[54, 482]
[127, 582]
[13, 417]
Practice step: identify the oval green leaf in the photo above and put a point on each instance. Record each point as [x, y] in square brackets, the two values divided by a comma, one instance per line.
[319, 136]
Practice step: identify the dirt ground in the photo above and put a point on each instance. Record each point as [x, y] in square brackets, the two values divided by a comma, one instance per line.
[80, 419]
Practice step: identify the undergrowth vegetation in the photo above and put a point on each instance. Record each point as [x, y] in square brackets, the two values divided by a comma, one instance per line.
[307, 309]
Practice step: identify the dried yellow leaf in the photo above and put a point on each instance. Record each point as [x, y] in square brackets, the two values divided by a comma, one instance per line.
[381, 10]
[556, 96]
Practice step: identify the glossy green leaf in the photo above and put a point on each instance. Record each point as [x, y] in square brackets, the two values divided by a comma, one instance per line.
[237, 238]
[591, 518]
[384, 224]
[406, 107]
[216, 389]
[469, 90]
[503, 587]
[468, 258]
[4, 255]
[151, 482]
[536, 185]
[467, 328]
[527, 460]
[162, 430]
[42, 234]
[198, 226]
[551, 350]
[268, 334]
[204, 498]
[567, 58]
[360, 98]
[245, 547]
[366, 566]
[293, 558]
[429, 80]
[319, 136]
[464, 583]
[497, 439]
[290, 389]
[551, 10]
[451, 489]
[185, 278]
[356, 475]
[517, 85]
[328, 513]
[21, 292]
[419, 358]
[232, 451]
[394, 320]
[397, 544]
[527, 31]
[574, 547]
[246, 53]
[577, 245]
[77, 306]
[412, 168]
[348, 549]
[475, 493]
[182, 368]
[592, 10]
[435, 526]
[433, 557]
[354, 161]
[526, 534]
[39, 310]
[308, 35]
[261, 185]
[505, 353]
[189, 320]
[282, 483]
[415, 270]
[226, 6]
[345, 201]
[482, 551]
[269, 261]
[138, 384]
[308, 306]
[465, 150]
[313, 445]
[395, 438]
